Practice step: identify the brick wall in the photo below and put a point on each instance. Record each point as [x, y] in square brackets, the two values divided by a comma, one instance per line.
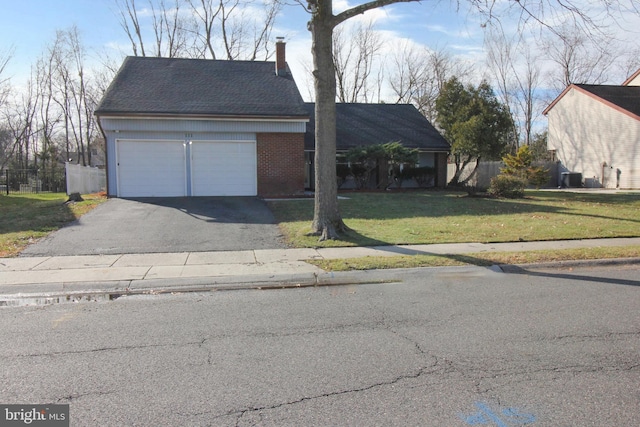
[280, 164]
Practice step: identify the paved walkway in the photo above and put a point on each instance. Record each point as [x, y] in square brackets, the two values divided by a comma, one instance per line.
[166, 272]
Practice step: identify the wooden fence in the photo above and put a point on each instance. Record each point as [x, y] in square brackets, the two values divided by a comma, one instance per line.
[488, 170]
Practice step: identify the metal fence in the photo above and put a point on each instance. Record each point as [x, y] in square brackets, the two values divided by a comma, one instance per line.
[16, 181]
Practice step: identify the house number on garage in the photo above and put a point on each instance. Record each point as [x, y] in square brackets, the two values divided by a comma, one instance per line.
[188, 135]
[501, 418]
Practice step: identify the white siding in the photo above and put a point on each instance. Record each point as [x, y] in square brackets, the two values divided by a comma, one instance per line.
[635, 81]
[196, 126]
[587, 133]
[184, 130]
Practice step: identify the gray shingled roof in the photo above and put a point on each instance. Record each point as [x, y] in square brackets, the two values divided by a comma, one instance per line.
[367, 124]
[625, 97]
[146, 85]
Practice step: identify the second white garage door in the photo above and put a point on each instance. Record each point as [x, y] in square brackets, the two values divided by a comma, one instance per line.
[223, 168]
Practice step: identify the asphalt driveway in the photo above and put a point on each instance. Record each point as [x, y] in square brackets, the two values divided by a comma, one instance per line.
[195, 224]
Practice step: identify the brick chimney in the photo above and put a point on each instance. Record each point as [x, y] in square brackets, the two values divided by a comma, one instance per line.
[281, 57]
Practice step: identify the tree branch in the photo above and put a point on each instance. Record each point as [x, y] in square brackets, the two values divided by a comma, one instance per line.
[359, 10]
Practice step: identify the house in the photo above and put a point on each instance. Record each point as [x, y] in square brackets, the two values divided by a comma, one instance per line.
[594, 130]
[633, 80]
[190, 127]
[366, 124]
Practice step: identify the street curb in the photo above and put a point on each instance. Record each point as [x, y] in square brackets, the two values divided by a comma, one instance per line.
[73, 292]
[110, 290]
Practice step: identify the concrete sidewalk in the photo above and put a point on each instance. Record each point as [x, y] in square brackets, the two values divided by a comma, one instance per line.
[166, 272]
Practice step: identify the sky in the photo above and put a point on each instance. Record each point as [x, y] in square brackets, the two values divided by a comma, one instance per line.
[27, 26]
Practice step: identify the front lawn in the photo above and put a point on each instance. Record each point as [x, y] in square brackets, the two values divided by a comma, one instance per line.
[25, 218]
[425, 217]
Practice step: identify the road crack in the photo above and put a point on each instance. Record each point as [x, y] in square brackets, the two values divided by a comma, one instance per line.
[72, 397]
[105, 349]
[241, 412]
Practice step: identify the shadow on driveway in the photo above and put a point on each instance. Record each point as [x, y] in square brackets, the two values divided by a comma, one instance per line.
[152, 225]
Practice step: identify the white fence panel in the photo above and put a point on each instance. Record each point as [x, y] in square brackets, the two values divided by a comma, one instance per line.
[85, 179]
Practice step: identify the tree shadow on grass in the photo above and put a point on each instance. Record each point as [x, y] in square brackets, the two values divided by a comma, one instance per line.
[30, 214]
[432, 205]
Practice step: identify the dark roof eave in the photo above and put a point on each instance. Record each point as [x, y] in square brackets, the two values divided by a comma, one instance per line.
[422, 150]
[128, 114]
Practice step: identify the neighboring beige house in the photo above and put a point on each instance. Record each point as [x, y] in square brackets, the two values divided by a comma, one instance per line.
[634, 80]
[594, 130]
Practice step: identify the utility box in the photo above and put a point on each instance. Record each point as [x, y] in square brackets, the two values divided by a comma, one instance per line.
[571, 179]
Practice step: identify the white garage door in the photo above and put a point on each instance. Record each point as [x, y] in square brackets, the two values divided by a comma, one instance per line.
[223, 168]
[151, 168]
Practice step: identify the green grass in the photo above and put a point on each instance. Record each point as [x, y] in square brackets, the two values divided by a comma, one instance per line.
[481, 258]
[25, 218]
[426, 217]
[420, 217]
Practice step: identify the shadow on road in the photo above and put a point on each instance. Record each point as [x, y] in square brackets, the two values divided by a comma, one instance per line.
[512, 269]
[231, 210]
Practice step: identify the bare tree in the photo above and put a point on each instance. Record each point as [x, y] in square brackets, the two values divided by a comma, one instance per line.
[105, 70]
[407, 68]
[528, 101]
[48, 115]
[5, 89]
[6, 141]
[630, 62]
[216, 29]
[131, 25]
[244, 36]
[172, 31]
[20, 121]
[231, 27]
[501, 59]
[206, 13]
[71, 88]
[579, 57]
[418, 74]
[354, 55]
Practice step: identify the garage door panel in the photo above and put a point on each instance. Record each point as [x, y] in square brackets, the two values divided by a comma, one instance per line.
[223, 168]
[151, 169]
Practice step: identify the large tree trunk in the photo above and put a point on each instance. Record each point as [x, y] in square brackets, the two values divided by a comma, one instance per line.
[327, 222]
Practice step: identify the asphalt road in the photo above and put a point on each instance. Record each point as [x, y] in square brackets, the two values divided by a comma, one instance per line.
[178, 224]
[448, 347]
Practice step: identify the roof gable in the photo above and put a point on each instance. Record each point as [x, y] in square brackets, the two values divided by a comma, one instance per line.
[633, 80]
[368, 124]
[201, 87]
[622, 98]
